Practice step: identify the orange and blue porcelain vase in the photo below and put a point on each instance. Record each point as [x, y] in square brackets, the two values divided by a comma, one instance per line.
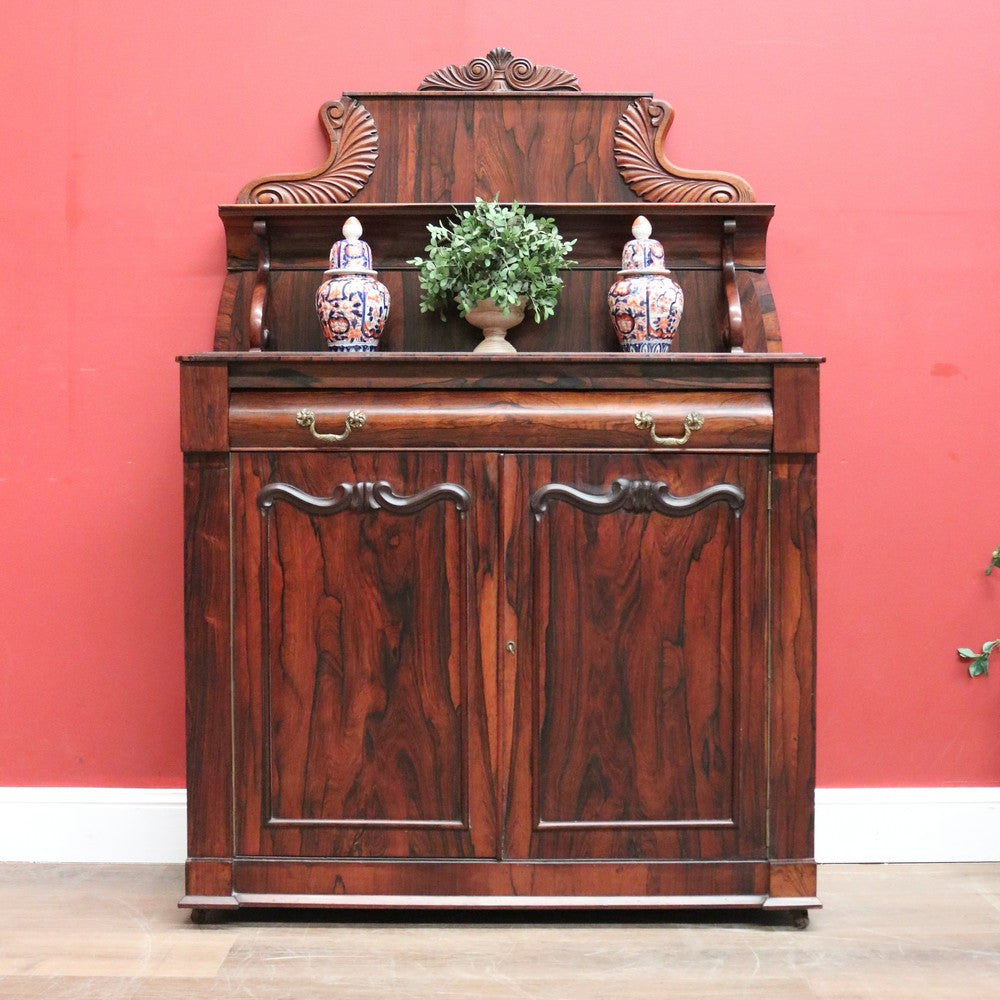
[645, 302]
[352, 303]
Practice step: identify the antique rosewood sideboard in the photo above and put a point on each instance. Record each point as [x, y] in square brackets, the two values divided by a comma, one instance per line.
[500, 646]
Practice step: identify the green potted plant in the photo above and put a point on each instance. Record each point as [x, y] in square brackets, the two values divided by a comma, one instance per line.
[980, 662]
[495, 261]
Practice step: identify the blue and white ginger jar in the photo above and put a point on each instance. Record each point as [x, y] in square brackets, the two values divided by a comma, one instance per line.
[352, 303]
[645, 302]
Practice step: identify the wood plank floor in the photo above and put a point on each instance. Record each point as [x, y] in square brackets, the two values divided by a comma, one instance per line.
[893, 932]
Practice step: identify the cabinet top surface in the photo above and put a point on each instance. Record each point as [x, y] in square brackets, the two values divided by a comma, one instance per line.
[523, 371]
[533, 361]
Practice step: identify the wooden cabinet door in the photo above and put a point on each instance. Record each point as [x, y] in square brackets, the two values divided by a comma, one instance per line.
[637, 593]
[363, 723]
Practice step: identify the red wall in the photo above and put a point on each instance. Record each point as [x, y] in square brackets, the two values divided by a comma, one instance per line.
[871, 125]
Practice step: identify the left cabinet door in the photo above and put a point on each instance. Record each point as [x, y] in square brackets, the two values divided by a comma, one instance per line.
[364, 700]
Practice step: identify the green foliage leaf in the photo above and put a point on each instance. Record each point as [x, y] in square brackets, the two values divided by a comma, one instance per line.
[980, 666]
[493, 251]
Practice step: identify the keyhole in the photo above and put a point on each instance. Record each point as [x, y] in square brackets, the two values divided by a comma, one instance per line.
[511, 646]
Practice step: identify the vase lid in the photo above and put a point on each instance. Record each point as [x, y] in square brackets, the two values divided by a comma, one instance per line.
[642, 253]
[351, 255]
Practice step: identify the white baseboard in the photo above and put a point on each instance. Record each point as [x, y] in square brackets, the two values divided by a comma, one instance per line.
[858, 825]
[853, 825]
[93, 824]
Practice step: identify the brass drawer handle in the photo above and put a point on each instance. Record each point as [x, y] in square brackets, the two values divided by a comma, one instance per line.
[692, 422]
[356, 419]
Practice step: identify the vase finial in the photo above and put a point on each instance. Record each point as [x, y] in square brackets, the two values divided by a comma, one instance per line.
[352, 228]
[641, 229]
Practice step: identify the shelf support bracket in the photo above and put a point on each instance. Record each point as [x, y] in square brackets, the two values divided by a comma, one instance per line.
[258, 333]
[733, 334]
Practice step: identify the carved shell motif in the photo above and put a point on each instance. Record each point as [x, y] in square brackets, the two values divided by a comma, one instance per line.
[639, 141]
[353, 152]
[500, 71]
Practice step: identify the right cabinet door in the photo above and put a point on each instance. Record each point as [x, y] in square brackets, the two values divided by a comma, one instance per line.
[637, 589]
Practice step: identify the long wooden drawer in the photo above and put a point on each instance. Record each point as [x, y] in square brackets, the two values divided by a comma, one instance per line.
[500, 420]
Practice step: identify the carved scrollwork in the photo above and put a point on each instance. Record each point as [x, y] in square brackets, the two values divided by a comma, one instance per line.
[353, 152]
[500, 71]
[733, 334]
[258, 333]
[639, 140]
[637, 496]
[362, 497]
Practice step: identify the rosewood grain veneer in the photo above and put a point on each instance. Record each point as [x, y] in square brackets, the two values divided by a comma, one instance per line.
[530, 631]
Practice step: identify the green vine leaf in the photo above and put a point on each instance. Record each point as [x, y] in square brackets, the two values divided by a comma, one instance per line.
[980, 665]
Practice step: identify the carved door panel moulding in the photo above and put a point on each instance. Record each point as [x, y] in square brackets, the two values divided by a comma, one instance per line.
[637, 497]
[366, 496]
[639, 141]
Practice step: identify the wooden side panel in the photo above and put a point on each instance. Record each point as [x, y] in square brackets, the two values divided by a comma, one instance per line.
[639, 703]
[793, 671]
[791, 882]
[426, 150]
[451, 149]
[768, 313]
[229, 333]
[207, 648]
[796, 409]
[208, 881]
[554, 149]
[204, 407]
[362, 720]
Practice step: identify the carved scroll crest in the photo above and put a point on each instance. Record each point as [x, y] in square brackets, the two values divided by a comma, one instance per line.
[639, 140]
[353, 152]
[500, 71]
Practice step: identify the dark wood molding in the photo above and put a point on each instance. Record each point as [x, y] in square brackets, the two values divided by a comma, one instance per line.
[637, 497]
[499, 71]
[354, 148]
[359, 497]
[639, 140]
